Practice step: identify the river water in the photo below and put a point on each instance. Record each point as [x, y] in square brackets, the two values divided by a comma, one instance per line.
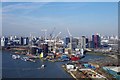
[20, 69]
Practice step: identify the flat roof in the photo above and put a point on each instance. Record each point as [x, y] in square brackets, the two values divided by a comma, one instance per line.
[114, 68]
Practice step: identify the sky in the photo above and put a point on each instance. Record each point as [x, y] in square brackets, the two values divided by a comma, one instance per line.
[81, 18]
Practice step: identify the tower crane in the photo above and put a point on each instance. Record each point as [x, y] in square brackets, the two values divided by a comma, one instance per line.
[70, 39]
[55, 40]
[51, 34]
[45, 33]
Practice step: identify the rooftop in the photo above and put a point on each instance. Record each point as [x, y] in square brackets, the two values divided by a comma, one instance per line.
[114, 68]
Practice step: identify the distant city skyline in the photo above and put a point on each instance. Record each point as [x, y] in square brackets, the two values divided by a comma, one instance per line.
[82, 18]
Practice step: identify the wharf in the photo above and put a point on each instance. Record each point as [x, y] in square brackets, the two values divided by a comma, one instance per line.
[69, 72]
[89, 74]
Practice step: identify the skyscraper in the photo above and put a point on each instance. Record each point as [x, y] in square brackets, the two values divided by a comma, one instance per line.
[4, 41]
[24, 40]
[87, 43]
[96, 41]
[83, 42]
[67, 40]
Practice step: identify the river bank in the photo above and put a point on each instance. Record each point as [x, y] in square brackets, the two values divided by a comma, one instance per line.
[99, 62]
[104, 54]
[89, 74]
[109, 60]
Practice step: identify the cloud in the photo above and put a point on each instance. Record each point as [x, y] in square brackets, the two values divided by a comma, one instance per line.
[25, 8]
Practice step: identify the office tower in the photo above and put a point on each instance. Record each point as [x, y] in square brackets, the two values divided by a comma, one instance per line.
[4, 41]
[83, 42]
[67, 41]
[24, 40]
[96, 41]
[87, 43]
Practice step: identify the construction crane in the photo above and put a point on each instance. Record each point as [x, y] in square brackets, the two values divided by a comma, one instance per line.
[70, 39]
[30, 42]
[51, 34]
[57, 35]
[55, 40]
[45, 33]
[30, 38]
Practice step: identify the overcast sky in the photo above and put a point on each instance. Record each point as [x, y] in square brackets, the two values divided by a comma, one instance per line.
[82, 18]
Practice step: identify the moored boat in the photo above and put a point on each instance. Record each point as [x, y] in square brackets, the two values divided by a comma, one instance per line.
[15, 56]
